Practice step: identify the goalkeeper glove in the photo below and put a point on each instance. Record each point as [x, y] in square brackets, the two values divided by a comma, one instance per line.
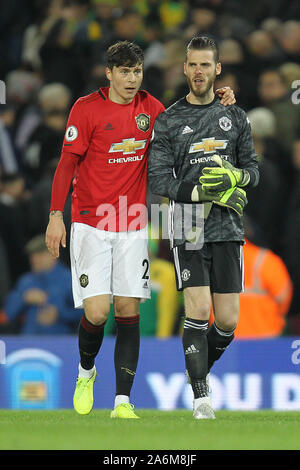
[223, 178]
[233, 198]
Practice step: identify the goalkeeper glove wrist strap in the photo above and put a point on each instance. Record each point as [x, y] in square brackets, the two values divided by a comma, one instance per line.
[189, 192]
[184, 193]
[245, 179]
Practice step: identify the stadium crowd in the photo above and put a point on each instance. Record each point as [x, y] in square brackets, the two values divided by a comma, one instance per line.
[53, 52]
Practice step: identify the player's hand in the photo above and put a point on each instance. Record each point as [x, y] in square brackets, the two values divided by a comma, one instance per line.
[234, 198]
[47, 315]
[217, 179]
[55, 233]
[223, 177]
[227, 96]
[35, 296]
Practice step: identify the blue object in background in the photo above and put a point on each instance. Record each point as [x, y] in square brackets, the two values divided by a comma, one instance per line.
[32, 379]
[41, 372]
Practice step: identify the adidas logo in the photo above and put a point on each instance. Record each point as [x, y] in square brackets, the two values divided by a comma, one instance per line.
[190, 350]
[186, 130]
[108, 127]
[145, 286]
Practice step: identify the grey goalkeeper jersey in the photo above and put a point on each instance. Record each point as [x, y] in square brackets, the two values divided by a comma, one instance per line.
[185, 137]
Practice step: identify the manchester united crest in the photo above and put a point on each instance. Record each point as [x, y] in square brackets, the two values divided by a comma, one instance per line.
[84, 280]
[143, 122]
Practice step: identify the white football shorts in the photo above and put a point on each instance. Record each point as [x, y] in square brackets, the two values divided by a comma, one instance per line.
[103, 262]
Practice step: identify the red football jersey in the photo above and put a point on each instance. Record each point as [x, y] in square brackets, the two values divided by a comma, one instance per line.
[109, 187]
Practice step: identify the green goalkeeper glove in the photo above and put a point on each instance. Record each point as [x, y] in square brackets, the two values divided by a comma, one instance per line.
[233, 198]
[223, 178]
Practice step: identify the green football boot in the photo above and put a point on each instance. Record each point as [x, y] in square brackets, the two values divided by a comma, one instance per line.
[125, 411]
[83, 398]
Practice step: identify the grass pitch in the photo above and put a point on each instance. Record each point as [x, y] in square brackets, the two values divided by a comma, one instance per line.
[156, 430]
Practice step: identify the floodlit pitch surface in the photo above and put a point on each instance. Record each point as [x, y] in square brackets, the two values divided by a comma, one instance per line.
[160, 430]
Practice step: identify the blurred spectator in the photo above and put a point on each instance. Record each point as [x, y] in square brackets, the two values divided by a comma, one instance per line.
[42, 299]
[264, 50]
[45, 142]
[62, 57]
[14, 17]
[172, 13]
[268, 143]
[265, 301]
[268, 218]
[105, 12]
[8, 153]
[155, 49]
[272, 26]
[129, 26]
[202, 21]
[292, 249]
[291, 73]
[289, 38]
[5, 282]
[97, 78]
[235, 69]
[275, 95]
[231, 52]
[13, 223]
[36, 33]
[174, 84]
[272, 87]
[96, 31]
[39, 204]
[229, 77]
[22, 87]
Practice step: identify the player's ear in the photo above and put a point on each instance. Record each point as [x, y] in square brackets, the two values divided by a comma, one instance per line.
[108, 73]
[184, 68]
[218, 68]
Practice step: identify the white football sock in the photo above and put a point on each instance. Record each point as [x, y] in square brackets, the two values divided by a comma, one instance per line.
[200, 401]
[84, 373]
[121, 399]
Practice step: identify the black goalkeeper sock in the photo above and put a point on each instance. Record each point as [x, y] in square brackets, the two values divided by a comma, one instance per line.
[217, 341]
[90, 338]
[194, 342]
[126, 352]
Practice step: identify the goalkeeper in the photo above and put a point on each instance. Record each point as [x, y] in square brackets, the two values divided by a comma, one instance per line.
[202, 158]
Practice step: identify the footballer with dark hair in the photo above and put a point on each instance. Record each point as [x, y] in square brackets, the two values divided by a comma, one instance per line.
[105, 149]
[202, 156]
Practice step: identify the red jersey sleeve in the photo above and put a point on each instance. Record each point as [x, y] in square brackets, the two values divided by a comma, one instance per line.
[79, 129]
[62, 181]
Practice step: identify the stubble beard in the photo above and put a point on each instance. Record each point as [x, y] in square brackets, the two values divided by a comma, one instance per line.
[201, 93]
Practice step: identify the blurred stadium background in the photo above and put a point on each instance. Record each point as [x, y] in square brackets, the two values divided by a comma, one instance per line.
[52, 52]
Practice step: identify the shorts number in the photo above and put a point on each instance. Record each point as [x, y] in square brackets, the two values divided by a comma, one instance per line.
[146, 275]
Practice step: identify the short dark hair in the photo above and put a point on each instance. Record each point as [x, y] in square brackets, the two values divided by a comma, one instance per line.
[201, 43]
[124, 53]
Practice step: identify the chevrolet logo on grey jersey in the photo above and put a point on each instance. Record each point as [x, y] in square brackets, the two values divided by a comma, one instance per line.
[208, 145]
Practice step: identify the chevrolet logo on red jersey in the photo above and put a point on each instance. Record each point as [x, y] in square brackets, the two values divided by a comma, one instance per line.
[128, 146]
[208, 145]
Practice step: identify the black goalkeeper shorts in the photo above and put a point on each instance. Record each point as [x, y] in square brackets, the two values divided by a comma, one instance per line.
[219, 265]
